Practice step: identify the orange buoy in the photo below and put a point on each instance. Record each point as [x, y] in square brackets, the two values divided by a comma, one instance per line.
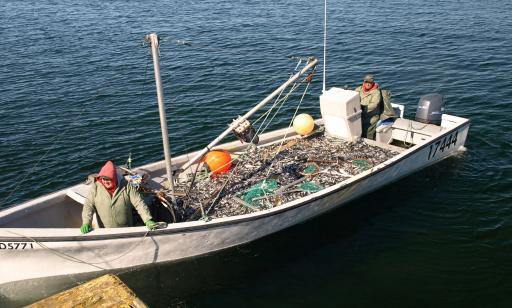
[218, 161]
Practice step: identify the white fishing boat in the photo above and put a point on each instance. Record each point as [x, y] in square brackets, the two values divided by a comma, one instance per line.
[41, 238]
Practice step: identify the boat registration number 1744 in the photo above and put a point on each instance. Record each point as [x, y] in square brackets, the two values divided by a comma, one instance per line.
[14, 246]
[442, 144]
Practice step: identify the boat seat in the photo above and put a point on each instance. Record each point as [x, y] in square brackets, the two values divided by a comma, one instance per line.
[398, 109]
[406, 131]
[79, 194]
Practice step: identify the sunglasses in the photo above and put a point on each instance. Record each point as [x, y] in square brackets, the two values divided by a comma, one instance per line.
[105, 179]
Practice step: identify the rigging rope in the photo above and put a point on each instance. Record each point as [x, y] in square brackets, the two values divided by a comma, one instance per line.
[278, 101]
[70, 258]
[295, 113]
[53, 143]
[282, 141]
[63, 131]
[279, 108]
[290, 125]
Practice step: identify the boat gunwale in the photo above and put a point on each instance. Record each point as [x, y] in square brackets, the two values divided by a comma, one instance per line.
[226, 221]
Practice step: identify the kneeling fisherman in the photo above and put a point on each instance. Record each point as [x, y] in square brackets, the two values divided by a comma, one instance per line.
[112, 197]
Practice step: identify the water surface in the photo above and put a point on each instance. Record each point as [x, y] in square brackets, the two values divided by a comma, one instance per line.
[76, 90]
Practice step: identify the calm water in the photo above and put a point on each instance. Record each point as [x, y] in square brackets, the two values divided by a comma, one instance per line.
[74, 93]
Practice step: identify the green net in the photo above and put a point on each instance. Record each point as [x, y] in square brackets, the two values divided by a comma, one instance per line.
[362, 164]
[310, 169]
[260, 189]
[310, 187]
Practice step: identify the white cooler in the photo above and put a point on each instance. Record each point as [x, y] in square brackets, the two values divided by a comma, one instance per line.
[341, 111]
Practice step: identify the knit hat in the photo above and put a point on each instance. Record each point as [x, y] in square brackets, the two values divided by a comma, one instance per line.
[369, 78]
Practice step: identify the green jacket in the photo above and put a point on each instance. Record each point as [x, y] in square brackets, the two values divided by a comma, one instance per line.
[370, 103]
[374, 108]
[115, 211]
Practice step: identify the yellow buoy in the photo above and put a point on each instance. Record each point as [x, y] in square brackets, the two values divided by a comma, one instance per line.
[303, 124]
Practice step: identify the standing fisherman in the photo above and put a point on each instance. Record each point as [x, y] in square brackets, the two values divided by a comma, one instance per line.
[112, 198]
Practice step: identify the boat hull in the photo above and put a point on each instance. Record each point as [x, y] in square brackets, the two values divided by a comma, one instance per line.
[28, 254]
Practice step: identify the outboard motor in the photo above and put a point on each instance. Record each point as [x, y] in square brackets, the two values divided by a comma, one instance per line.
[430, 109]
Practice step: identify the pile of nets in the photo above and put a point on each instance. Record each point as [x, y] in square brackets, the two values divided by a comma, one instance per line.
[271, 176]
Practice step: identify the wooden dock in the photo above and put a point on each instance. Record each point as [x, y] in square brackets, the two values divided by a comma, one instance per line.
[105, 291]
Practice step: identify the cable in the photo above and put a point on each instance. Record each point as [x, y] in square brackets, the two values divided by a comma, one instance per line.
[68, 257]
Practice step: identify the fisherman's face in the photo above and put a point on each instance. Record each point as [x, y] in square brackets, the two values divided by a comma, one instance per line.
[367, 85]
[108, 183]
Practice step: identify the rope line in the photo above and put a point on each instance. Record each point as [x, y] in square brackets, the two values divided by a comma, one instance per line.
[290, 125]
[280, 106]
[282, 141]
[239, 157]
[71, 258]
[63, 131]
[284, 99]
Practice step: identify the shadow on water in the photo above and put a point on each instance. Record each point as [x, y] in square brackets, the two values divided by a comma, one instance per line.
[340, 236]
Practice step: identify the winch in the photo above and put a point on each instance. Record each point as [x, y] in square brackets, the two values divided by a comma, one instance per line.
[244, 131]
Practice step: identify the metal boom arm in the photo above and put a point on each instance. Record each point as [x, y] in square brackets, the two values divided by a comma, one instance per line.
[232, 126]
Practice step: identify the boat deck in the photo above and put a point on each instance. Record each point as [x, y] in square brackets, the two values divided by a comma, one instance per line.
[266, 177]
[282, 169]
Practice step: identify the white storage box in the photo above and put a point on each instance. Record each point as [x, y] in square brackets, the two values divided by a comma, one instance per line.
[341, 111]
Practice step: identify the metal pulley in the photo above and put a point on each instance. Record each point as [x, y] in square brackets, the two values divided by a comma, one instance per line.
[244, 131]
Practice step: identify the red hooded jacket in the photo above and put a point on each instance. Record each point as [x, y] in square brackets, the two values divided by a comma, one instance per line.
[108, 171]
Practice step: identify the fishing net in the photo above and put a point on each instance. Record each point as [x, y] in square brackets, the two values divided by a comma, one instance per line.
[310, 169]
[337, 160]
[311, 187]
[260, 189]
[362, 164]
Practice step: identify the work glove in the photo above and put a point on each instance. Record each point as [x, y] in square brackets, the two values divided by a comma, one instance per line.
[85, 228]
[151, 225]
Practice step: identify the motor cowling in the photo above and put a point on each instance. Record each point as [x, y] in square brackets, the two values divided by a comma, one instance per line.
[430, 109]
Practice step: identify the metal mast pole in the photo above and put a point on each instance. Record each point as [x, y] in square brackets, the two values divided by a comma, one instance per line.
[152, 39]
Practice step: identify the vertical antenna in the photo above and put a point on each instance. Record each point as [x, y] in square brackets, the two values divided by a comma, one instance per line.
[325, 40]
